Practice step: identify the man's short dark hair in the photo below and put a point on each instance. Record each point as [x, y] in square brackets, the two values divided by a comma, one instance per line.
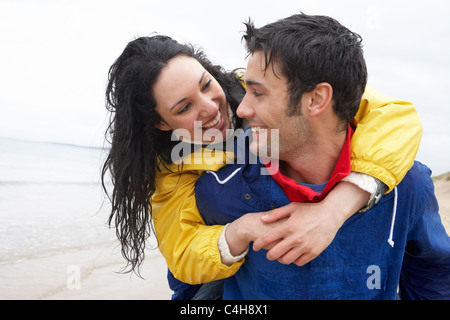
[310, 50]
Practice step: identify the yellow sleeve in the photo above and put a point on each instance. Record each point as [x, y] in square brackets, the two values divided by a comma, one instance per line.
[188, 245]
[387, 137]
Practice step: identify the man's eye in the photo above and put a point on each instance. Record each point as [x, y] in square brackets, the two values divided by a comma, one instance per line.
[257, 94]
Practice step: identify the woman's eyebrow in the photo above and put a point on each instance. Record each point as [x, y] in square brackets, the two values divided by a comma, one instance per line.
[177, 103]
[181, 100]
[201, 79]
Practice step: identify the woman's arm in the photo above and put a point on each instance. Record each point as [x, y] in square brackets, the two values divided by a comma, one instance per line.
[299, 232]
[387, 138]
[188, 245]
[384, 146]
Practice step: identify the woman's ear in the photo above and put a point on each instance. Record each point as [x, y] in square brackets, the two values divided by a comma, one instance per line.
[162, 126]
[321, 98]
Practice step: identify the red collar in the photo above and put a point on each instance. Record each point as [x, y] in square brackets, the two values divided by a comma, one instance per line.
[300, 193]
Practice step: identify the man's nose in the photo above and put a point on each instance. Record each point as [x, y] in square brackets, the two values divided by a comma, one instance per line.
[244, 110]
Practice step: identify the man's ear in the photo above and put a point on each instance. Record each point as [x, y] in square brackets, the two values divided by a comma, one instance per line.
[162, 126]
[321, 98]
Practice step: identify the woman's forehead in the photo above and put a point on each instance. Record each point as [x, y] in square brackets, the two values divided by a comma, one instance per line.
[177, 80]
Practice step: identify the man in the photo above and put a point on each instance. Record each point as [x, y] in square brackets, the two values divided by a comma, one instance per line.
[305, 78]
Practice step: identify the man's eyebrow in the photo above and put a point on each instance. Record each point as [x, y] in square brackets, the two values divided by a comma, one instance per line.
[254, 83]
[181, 100]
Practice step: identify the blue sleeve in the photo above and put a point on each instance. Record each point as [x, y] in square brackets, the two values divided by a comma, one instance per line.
[426, 265]
[181, 290]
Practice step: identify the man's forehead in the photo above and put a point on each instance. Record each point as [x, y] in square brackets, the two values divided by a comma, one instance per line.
[258, 75]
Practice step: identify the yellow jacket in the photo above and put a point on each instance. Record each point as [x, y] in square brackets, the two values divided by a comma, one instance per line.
[384, 145]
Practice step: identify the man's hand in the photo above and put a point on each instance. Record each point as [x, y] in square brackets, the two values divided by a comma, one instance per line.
[308, 229]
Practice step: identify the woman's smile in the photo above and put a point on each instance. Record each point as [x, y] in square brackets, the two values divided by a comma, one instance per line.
[214, 122]
[200, 102]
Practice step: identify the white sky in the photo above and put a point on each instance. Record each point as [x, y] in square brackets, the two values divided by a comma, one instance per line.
[55, 55]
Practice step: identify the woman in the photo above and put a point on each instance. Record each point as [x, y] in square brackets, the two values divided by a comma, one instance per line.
[158, 86]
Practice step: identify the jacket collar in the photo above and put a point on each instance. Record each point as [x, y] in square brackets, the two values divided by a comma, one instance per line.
[301, 193]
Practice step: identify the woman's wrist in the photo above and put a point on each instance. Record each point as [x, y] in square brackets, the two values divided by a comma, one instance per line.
[237, 236]
[345, 200]
[372, 185]
[226, 256]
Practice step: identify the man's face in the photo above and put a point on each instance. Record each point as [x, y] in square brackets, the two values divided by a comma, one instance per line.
[265, 106]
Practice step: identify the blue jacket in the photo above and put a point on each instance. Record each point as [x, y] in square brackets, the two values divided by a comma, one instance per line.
[366, 260]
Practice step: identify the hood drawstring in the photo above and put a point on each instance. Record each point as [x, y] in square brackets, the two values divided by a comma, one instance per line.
[394, 213]
[226, 179]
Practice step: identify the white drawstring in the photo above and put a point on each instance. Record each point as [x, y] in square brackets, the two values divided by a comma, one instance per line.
[391, 235]
[226, 179]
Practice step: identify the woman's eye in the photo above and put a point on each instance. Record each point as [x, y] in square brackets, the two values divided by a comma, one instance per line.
[257, 94]
[207, 85]
[184, 109]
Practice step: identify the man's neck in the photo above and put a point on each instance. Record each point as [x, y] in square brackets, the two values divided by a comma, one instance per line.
[316, 165]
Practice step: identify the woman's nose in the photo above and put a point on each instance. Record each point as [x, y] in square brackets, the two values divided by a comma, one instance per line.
[208, 107]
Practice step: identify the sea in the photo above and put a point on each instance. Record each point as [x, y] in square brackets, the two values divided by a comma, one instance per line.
[51, 200]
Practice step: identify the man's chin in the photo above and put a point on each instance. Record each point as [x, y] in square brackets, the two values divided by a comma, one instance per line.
[260, 150]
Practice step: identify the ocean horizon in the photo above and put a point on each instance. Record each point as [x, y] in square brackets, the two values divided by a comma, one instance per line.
[51, 199]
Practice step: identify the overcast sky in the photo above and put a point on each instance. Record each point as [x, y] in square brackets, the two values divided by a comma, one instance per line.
[55, 55]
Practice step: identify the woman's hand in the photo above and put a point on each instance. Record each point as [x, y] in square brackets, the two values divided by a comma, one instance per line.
[306, 230]
[241, 232]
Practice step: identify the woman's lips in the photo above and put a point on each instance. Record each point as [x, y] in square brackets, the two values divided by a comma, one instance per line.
[215, 122]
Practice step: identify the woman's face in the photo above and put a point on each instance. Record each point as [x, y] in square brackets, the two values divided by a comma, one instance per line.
[189, 98]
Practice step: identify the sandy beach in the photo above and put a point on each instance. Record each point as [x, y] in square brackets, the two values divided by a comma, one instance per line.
[86, 274]
[92, 273]
[442, 191]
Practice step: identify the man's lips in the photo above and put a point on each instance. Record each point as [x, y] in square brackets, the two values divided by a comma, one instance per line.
[259, 129]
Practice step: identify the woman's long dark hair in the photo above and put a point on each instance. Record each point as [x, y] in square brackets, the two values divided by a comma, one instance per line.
[138, 149]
